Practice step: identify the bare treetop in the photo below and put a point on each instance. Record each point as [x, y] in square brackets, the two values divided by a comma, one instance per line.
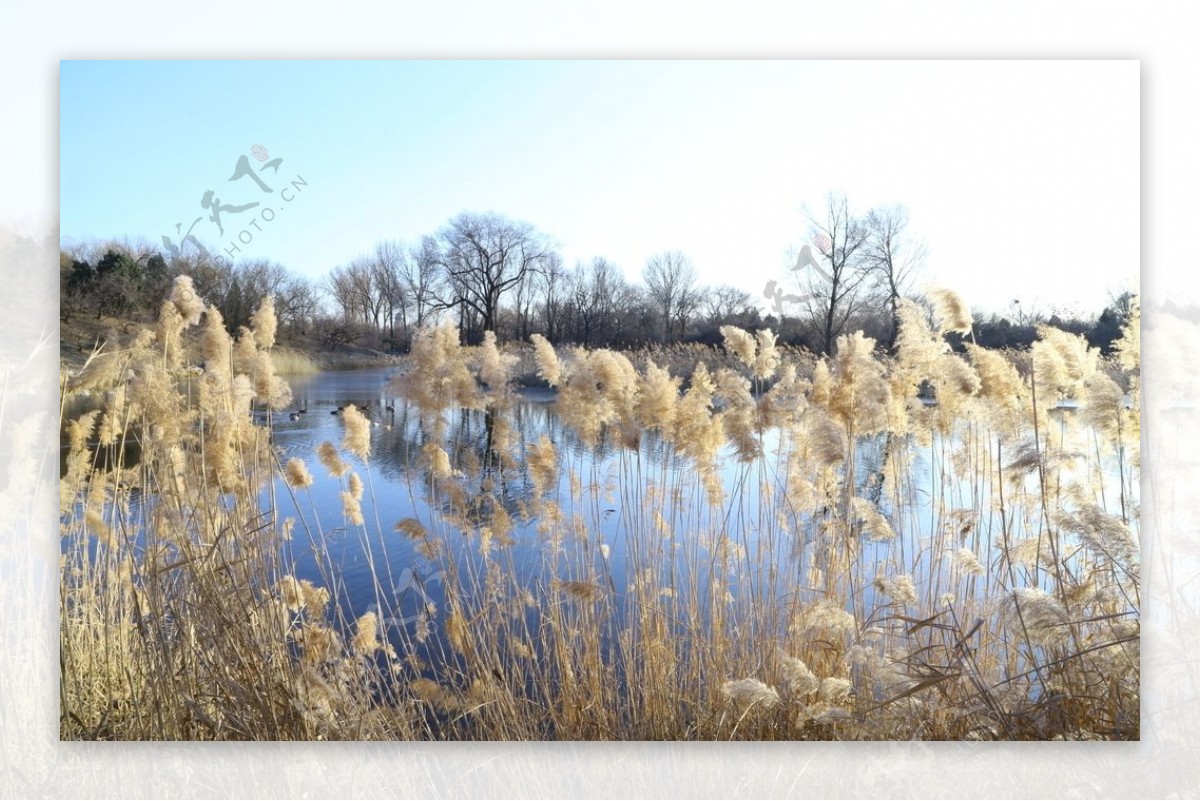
[485, 255]
[841, 241]
[892, 255]
[671, 282]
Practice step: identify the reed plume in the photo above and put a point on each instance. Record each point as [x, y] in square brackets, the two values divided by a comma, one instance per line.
[951, 313]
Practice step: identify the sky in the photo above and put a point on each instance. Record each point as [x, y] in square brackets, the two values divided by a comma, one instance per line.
[1021, 178]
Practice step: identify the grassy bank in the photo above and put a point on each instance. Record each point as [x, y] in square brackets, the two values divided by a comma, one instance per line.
[303, 356]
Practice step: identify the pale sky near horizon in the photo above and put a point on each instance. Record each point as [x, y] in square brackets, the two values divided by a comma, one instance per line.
[1022, 178]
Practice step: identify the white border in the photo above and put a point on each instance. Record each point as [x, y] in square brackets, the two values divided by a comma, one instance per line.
[34, 37]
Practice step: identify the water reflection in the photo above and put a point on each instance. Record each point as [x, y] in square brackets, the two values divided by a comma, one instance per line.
[753, 550]
[601, 489]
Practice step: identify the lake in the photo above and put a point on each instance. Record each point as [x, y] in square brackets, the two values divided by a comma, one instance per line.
[754, 550]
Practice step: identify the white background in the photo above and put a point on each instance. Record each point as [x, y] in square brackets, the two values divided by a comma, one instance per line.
[32, 40]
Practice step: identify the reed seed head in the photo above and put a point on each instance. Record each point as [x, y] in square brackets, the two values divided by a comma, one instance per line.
[186, 301]
[747, 692]
[329, 457]
[297, 475]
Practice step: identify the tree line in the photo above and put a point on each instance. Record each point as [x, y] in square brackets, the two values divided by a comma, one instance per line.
[487, 272]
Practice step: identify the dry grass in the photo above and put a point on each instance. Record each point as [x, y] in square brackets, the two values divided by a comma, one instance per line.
[293, 362]
[679, 359]
[179, 618]
[812, 553]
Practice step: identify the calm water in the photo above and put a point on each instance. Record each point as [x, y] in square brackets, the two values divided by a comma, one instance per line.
[611, 485]
[397, 487]
[614, 484]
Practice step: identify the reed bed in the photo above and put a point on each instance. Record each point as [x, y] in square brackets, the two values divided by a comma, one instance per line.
[680, 359]
[293, 362]
[773, 547]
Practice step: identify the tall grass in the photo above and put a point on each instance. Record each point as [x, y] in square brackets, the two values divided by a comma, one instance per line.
[293, 362]
[179, 617]
[680, 359]
[769, 547]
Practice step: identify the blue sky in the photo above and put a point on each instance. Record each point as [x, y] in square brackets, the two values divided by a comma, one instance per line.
[1022, 178]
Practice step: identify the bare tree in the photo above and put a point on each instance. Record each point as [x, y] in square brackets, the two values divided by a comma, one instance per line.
[687, 307]
[638, 318]
[529, 291]
[833, 288]
[352, 288]
[340, 290]
[555, 282]
[259, 278]
[725, 302]
[387, 275]
[424, 280]
[892, 256]
[599, 290]
[300, 303]
[671, 282]
[485, 256]
[1029, 314]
